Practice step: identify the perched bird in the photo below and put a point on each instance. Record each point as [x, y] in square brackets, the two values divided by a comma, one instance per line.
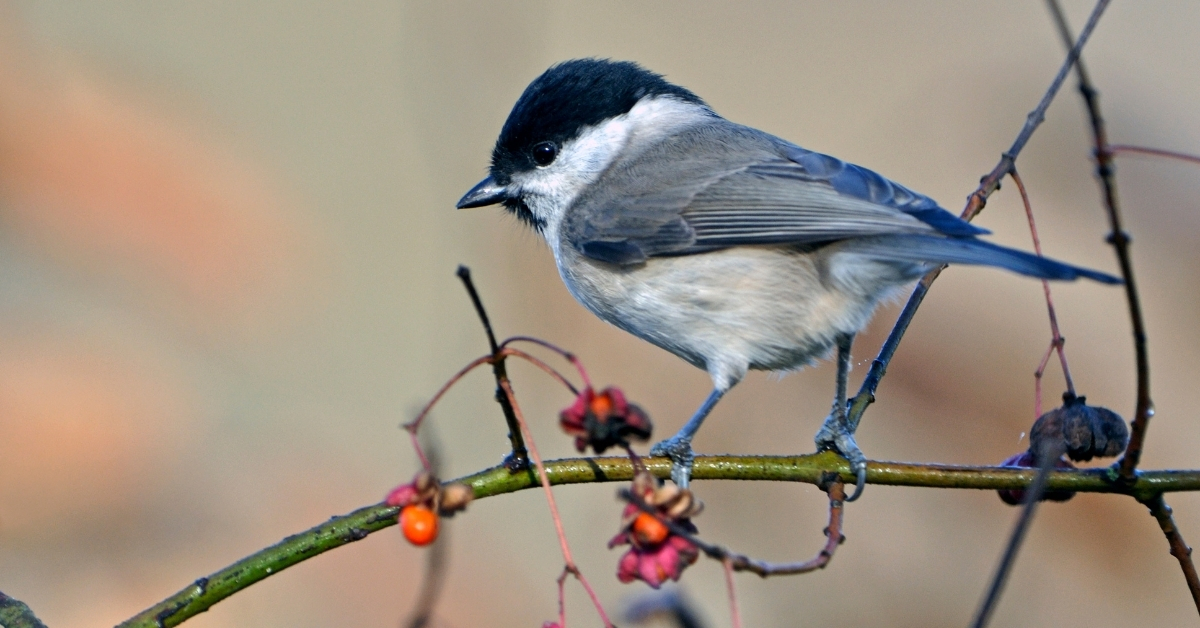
[727, 246]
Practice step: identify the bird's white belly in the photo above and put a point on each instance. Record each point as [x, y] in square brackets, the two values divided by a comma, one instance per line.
[727, 311]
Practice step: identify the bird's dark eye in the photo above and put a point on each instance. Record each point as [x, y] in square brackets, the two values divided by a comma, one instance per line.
[544, 153]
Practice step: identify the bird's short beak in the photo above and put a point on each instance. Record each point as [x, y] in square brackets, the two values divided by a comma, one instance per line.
[487, 192]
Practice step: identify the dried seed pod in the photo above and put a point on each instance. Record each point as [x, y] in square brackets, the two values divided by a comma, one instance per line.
[455, 497]
[1079, 430]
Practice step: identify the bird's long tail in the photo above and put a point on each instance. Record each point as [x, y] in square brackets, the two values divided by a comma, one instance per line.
[949, 250]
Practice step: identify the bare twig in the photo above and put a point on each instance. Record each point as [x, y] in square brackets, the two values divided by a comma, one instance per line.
[1179, 548]
[413, 426]
[436, 558]
[562, 597]
[741, 562]
[567, 355]
[518, 459]
[734, 614]
[1119, 149]
[1120, 241]
[1056, 339]
[16, 614]
[975, 203]
[570, 566]
[1049, 456]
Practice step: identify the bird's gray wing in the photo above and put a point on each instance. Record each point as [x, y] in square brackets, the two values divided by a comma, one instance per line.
[742, 187]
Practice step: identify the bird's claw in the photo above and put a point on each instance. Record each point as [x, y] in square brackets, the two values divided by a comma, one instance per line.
[679, 450]
[833, 436]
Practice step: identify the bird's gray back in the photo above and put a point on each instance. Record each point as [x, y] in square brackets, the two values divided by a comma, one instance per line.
[720, 184]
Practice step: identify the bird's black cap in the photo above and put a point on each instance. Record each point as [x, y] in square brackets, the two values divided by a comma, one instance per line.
[566, 99]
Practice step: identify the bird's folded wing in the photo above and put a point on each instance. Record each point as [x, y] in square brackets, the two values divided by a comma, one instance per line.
[793, 196]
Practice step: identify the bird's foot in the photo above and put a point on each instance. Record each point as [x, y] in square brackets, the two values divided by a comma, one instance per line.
[679, 450]
[834, 436]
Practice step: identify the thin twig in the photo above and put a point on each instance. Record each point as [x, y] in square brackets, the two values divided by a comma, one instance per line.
[518, 459]
[741, 562]
[811, 468]
[558, 526]
[1048, 457]
[1118, 149]
[567, 355]
[1120, 241]
[413, 426]
[562, 598]
[975, 203]
[1057, 341]
[546, 368]
[1179, 548]
[734, 614]
[17, 614]
[434, 578]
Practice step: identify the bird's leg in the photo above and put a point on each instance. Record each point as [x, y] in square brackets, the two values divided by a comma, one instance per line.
[835, 433]
[679, 447]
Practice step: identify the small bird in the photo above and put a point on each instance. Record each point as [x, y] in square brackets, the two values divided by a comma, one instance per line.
[727, 246]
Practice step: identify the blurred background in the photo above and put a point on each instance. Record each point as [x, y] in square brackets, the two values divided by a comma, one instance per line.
[227, 253]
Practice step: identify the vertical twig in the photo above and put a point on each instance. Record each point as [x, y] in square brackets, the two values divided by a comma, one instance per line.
[734, 613]
[1179, 548]
[436, 558]
[562, 598]
[571, 567]
[1057, 341]
[975, 203]
[518, 459]
[1120, 241]
[1033, 494]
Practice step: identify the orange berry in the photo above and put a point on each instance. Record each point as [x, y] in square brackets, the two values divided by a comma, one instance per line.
[419, 524]
[649, 530]
[601, 405]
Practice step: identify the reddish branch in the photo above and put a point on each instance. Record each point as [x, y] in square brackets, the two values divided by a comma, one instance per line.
[741, 562]
[1056, 339]
[570, 566]
[1120, 241]
[734, 613]
[1117, 149]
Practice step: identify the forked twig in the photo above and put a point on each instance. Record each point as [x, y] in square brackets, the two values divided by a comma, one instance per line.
[519, 458]
[1120, 241]
[1056, 339]
[975, 203]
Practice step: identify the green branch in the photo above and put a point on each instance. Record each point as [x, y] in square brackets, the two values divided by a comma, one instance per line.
[16, 614]
[202, 594]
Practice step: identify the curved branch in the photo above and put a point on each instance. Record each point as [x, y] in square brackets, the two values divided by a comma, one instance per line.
[199, 596]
